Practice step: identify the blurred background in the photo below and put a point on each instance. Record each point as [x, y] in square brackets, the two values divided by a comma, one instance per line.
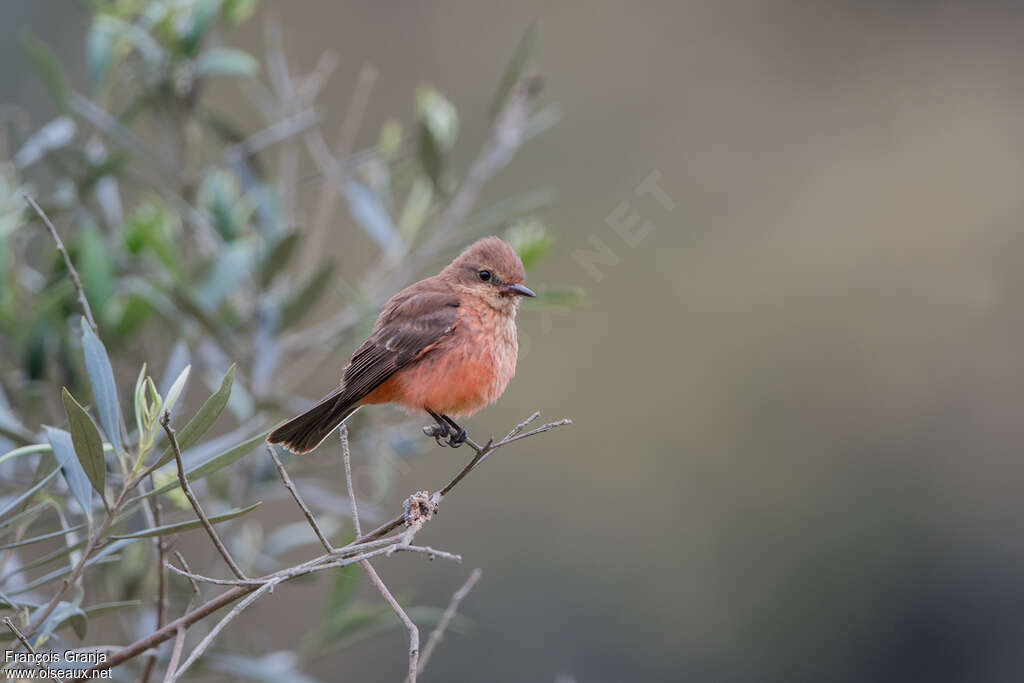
[793, 366]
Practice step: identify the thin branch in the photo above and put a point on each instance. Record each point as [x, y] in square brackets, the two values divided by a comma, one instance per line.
[165, 422]
[394, 544]
[438, 633]
[356, 551]
[480, 453]
[152, 511]
[205, 642]
[72, 273]
[347, 454]
[414, 632]
[28, 646]
[188, 573]
[298, 499]
[179, 637]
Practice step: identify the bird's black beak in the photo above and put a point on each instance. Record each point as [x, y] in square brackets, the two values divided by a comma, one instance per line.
[521, 290]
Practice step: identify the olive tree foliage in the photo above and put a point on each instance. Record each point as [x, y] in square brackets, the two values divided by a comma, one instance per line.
[198, 247]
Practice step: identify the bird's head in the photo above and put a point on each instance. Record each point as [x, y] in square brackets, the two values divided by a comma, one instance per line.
[491, 270]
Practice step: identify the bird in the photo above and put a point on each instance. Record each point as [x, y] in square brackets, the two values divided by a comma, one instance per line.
[446, 345]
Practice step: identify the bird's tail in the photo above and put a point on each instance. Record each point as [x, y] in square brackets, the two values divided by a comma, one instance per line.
[305, 432]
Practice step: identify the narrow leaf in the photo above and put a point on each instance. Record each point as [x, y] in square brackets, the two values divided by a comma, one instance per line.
[104, 390]
[371, 215]
[104, 607]
[514, 68]
[225, 61]
[302, 301]
[28, 494]
[42, 537]
[278, 257]
[175, 391]
[214, 464]
[203, 419]
[74, 474]
[186, 526]
[87, 442]
[66, 613]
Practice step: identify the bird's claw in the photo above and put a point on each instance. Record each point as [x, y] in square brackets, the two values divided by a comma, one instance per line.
[438, 432]
[456, 438]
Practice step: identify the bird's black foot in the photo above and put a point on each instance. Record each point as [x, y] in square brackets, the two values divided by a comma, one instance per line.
[446, 432]
[439, 431]
[457, 435]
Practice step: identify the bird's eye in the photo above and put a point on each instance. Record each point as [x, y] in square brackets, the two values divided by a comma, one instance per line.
[485, 275]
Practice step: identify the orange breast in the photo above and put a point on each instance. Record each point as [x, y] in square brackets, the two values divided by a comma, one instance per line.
[461, 376]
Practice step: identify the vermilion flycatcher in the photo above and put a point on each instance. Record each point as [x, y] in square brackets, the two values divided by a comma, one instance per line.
[446, 345]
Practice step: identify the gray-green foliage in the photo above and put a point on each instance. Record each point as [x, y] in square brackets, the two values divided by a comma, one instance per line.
[186, 246]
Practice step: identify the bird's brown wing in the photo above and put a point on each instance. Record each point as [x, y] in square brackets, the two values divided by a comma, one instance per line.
[414, 320]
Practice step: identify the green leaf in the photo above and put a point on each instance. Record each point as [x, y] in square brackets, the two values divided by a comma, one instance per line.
[74, 474]
[99, 50]
[278, 257]
[96, 267]
[49, 68]
[104, 607]
[514, 69]
[237, 11]
[28, 494]
[430, 157]
[176, 388]
[302, 301]
[197, 23]
[41, 537]
[87, 442]
[530, 238]
[103, 556]
[213, 464]
[104, 390]
[203, 419]
[49, 557]
[186, 526]
[27, 516]
[225, 61]
[66, 613]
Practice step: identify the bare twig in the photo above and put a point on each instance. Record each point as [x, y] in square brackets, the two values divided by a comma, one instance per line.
[362, 549]
[188, 573]
[438, 633]
[414, 632]
[72, 273]
[28, 646]
[179, 637]
[205, 642]
[152, 512]
[347, 455]
[298, 499]
[480, 454]
[165, 422]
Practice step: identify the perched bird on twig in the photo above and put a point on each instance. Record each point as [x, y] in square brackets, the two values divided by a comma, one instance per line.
[445, 345]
